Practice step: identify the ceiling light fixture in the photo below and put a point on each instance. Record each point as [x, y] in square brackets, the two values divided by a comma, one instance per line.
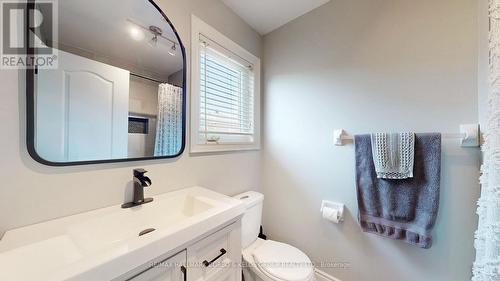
[138, 30]
[156, 31]
[153, 42]
[173, 50]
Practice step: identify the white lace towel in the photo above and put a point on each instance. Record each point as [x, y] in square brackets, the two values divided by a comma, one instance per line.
[393, 155]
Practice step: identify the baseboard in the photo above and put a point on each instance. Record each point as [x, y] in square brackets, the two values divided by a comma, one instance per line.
[322, 276]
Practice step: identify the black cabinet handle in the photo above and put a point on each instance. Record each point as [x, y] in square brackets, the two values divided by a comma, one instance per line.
[184, 272]
[208, 263]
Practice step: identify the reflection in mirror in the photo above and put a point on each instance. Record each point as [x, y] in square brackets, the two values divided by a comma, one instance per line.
[117, 92]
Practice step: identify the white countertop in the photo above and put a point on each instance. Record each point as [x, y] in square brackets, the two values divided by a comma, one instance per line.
[104, 244]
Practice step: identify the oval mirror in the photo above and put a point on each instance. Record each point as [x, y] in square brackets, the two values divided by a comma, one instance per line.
[117, 89]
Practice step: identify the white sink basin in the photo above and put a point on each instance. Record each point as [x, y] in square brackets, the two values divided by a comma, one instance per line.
[106, 242]
[102, 232]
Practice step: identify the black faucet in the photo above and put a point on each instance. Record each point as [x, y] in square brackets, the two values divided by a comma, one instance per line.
[140, 182]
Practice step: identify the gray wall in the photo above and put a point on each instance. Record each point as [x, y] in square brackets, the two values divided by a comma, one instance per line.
[143, 102]
[483, 61]
[369, 66]
[30, 192]
[176, 79]
[143, 96]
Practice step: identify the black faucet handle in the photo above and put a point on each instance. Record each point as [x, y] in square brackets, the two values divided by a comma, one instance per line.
[139, 172]
[140, 181]
[146, 181]
[139, 175]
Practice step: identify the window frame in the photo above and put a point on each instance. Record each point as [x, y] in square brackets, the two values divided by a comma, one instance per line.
[199, 27]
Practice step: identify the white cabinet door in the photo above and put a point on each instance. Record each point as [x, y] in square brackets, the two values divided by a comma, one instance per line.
[217, 257]
[81, 110]
[172, 269]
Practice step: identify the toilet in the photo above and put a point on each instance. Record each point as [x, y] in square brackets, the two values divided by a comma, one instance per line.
[267, 260]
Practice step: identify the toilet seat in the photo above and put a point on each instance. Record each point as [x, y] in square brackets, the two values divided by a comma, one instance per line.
[279, 261]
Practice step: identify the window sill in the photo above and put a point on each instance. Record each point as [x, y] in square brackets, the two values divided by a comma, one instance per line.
[215, 148]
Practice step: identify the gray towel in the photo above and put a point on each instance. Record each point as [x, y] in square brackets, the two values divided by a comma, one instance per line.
[400, 209]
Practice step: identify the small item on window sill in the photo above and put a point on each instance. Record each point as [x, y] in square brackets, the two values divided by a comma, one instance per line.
[213, 140]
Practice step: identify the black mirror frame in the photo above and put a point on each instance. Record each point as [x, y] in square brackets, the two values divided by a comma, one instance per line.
[30, 105]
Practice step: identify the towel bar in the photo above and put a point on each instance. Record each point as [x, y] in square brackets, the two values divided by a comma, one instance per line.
[469, 136]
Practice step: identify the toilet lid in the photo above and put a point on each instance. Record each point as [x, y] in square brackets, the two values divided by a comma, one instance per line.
[283, 261]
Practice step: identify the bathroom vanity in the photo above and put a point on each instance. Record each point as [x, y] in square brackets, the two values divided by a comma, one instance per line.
[190, 234]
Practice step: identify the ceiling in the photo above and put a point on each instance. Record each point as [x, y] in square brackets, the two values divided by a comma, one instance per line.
[101, 30]
[267, 15]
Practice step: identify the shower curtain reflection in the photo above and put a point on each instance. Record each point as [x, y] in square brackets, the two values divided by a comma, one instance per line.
[169, 123]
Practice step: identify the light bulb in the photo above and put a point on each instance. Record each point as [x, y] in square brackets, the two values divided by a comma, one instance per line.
[136, 33]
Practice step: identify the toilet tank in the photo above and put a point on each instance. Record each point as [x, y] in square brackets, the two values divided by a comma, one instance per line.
[251, 221]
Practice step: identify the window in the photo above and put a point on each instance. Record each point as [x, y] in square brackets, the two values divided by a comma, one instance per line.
[225, 93]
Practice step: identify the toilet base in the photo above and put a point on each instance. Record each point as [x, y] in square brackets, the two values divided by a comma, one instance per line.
[248, 275]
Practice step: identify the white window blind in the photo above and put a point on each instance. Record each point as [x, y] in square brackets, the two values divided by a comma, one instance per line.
[226, 96]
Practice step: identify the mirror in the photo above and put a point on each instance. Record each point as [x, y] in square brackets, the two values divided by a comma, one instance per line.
[118, 91]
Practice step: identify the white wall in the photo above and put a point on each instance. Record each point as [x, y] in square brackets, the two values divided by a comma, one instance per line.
[31, 192]
[369, 66]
